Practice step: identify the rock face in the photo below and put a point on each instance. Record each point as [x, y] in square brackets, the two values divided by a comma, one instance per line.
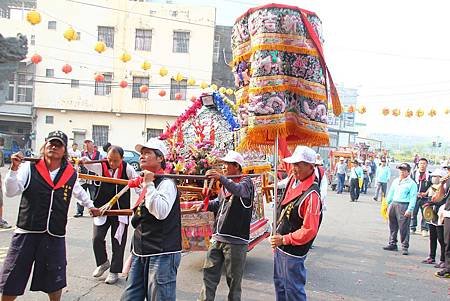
[13, 49]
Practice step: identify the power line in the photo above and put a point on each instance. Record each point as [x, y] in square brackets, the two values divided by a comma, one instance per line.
[140, 14]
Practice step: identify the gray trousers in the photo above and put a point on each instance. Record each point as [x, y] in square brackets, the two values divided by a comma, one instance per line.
[399, 222]
[382, 187]
[233, 257]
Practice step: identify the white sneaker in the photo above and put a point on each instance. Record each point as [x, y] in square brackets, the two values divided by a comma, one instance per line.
[425, 233]
[112, 278]
[101, 269]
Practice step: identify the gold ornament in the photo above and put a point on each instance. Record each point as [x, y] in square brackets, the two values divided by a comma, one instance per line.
[178, 77]
[100, 46]
[213, 87]
[34, 17]
[146, 65]
[203, 85]
[163, 71]
[191, 82]
[126, 57]
[70, 34]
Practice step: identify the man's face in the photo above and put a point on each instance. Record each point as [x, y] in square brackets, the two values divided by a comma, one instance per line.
[114, 159]
[74, 147]
[404, 173]
[422, 165]
[383, 163]
[54, 149]
[89, 146]
[302, 170]
[149, 160]
[231, 169]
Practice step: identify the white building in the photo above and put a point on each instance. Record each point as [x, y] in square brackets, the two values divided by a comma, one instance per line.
[179, 38]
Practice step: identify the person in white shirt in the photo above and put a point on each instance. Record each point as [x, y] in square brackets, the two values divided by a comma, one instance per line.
[74, 152]
[156, 243]
[46, 188]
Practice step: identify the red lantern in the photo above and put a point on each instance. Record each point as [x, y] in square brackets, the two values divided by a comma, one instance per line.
[385, 111]
[351, 109]
[178, 96]
[99, 77]
[36, 59]
[396, 112]
[193, 98]
[162, 93]
[67, 68]
[123, 84]
[143, 89]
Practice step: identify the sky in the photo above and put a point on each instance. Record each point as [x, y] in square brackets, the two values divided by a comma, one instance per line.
[397, 53]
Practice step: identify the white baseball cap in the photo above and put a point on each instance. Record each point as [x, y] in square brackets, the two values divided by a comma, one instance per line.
[439, 173]
[233, 156]
[88, 139]
[302, 154]
[153, 143]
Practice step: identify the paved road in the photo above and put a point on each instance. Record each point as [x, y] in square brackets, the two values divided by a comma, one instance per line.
[347, 262]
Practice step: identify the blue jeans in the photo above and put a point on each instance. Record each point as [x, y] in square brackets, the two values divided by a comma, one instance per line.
[152, 278]
[341, 181]
[289, 276]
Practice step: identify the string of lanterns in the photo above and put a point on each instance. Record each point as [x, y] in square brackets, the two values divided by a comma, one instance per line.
[396, 112]
[70, 34]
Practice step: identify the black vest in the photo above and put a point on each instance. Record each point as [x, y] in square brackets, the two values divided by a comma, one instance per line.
[42, 207]
[292, 221]
[84, 169]
[153, 236]
[234, 217]
[107, 191]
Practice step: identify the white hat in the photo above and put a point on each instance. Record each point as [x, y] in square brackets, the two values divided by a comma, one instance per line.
[88, 139]
[153, 143]
[319, 162]
[233, 156]
[439, 173]
[302, 154]
[341, 159]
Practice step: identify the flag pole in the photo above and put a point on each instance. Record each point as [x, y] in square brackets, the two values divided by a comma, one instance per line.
[275, 186]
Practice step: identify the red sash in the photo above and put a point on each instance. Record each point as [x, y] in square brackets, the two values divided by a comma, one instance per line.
[42, 169]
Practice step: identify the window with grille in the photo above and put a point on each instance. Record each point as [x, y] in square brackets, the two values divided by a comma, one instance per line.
[49, 119]
[104, 87]
[138, 81]
[100, 134]
[20, 87]
[52, 25]
[178, 87]
[153, 133]
[33, 40]
[49, 73]
[74, 83]
[106, 35]
[216, 49]
[181, 41]
[143, 40]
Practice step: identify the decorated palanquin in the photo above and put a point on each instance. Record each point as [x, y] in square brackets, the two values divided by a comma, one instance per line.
[196, 139]
[281, 77]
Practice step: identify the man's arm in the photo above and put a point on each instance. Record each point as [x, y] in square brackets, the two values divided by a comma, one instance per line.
[390, 195]
[412, 197]
[83, 198]
[159, 201]
[243, 189]
[16, 180]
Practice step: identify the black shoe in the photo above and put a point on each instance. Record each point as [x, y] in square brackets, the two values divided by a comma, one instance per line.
[78, 214]
[405, 252]
[375, 199]
[390, 248]
[442, 274]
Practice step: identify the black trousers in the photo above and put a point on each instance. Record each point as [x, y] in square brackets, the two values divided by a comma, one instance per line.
[447, 242]
[99, 244]
[436, 234]
[354, 189]
[91, 189]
